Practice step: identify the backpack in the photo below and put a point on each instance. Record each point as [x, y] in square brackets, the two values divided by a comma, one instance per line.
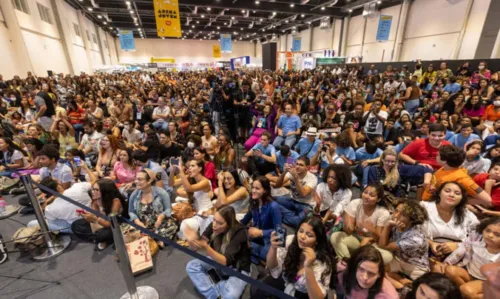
[6, 184]
[28, 239]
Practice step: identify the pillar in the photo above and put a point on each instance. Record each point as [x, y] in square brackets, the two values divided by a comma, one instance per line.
[489, 32]
[400, 30]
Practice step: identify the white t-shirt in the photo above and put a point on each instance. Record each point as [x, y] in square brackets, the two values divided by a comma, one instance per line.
[133, 137]
[93, 140]
[380, 217]
[16, 155]
[161, 111]
[480, 256]
[63, 210]
[373, 124]
[310, 180]
[336, 202]
[435, 228]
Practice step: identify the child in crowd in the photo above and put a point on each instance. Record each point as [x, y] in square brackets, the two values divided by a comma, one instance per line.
[490, 182]
[405, 237]
[473, 162]
[482, 247]
[451, 157]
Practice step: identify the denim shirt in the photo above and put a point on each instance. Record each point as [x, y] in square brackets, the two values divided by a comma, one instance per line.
[161, 203]
[266, 219]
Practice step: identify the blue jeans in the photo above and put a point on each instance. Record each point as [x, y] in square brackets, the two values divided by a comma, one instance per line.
[232, 288]
[293, 212]
[365, 175]
[55, 225]
[259, 248]
[78, 129]
[161, 125]
[411, 106]
[289, 140]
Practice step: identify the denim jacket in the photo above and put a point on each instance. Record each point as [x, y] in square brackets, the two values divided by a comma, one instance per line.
[266, 219]
[161, 202]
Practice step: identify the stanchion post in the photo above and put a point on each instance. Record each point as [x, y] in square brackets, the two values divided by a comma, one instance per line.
[142, 292]
[54, 246]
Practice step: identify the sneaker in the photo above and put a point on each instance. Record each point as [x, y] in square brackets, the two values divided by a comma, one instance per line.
[26, 211]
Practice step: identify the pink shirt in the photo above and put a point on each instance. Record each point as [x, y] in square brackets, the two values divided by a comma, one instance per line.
[123, 175]
[387, 291]
[474, 113]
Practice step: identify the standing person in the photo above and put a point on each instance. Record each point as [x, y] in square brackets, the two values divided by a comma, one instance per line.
[44, 108]
[425, 151]
[364, 276]
[242, 103]
[288, 128]
[374, 120]
[304, 269]
[412, 96]
[264, 214]
[226, 242]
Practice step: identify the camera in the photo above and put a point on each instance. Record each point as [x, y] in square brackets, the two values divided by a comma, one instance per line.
[324, 148]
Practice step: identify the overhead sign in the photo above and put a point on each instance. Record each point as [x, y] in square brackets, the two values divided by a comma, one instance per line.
[296, 44]
[161, 59]
[168, 19]
[127, 40]
[330, 61]
[307, 63]
[226, 43]
[216, 51]
[384, 28]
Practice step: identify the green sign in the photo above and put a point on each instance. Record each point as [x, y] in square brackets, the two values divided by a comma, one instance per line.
[330, 60]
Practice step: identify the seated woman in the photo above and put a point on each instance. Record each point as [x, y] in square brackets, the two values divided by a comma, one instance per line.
[150, 206]
[110, 127]
[12, 157]
[364, 221]
[304, 269]
[107, 199]
[364, 276]
[226, 242]
[208, 141]
[125, 170]
[231, 192]
[198, 191]
[200, 154]
[404, 237]
[391, 174]
[449, 221]
[63, 132]
[108, 155]
[434, 283]
[224, 153]
[265, 215]
[334, 193]
[264, 122]
[482, 247]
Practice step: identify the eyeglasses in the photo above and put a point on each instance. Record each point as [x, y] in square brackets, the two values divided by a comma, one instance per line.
[96, 190]
[140, 179]
[390, 162]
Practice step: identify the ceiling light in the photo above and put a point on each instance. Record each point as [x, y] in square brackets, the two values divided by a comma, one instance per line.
[253, 11]
[292, 5]
[110, 27]
[302, 15]
[127, 2]
[322, 8]
[99, 17]
[90, 8]
[218, 27]
[242, 11]
[350, 10]
[286, 21]
[274, 13]
[131, 11]
[209, 9]
[232, 18]
[257, 2]
[379, 2]
[202, 16]
[136, 24]
[192, 26]
[197, 22]
[135, 19]
[261, 19]
[225, 23]
[309, 23]
[241, 29]
[105, 23]
[190, 30]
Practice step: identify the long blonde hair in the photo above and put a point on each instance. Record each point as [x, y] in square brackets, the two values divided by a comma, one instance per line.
[392, 177]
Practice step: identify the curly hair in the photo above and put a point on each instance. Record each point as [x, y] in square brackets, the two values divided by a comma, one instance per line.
[342, 175]
[413, 210]
[461, 208]
[487, 222]
[324, 253]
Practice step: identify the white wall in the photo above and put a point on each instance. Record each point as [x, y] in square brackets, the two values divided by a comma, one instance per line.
[181, 50]
[474, 26]
[9, 66]
[322, 38]
[46, 54]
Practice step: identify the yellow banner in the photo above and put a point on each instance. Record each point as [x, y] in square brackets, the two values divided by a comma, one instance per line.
[160, 59]
[168, 19]
[216, 51]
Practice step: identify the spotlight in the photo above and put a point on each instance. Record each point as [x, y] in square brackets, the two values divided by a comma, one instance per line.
[292, 5]
[90, 8]
[322, 8]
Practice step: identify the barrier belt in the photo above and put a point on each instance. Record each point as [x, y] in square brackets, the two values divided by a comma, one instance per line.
[203, 258]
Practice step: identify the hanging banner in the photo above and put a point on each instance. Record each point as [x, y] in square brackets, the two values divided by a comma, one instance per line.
[225, 43]
[296, 44]
[216, 51]
[168, 19]
[161, 59]
[127, 40]
[384, 28]
[330, 61]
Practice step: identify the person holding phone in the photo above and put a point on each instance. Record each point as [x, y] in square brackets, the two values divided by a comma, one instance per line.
[304, 269]
[226, 242]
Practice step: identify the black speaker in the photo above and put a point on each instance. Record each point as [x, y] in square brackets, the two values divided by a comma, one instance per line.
[49, 73]
[269, 56]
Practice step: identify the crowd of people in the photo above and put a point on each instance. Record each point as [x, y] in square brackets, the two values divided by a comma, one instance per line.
[264, 167]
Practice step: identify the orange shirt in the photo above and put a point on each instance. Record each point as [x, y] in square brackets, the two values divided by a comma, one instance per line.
[490, 114]
[369, 106]
[458, 175]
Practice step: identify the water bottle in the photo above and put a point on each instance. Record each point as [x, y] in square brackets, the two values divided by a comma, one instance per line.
[3, 204]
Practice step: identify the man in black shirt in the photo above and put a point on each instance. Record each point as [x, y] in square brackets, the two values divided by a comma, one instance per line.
[44, 107]
[242, 103]
[167, 147]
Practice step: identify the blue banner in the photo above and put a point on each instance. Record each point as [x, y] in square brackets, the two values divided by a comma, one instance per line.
[296, 44]
[226, 45]
[127, 40]
[384, 28]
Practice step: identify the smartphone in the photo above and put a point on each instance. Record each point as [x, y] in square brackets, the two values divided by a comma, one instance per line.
[174, 161]
[281, 233]
[214, 276]
[290, 161]
[87, 161]
[77, 161]
[80, 211]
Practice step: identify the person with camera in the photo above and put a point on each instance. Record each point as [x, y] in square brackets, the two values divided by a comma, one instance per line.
[326, 155]
[304, 269]
[262, 156]
[242, 103]
[225, 242]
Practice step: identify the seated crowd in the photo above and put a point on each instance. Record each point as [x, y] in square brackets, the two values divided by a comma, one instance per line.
[370, 183]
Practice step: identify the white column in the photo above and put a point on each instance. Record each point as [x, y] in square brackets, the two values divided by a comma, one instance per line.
[400, 30]
[83, 31]
[462, 31]
[345, 32]
[63, 35]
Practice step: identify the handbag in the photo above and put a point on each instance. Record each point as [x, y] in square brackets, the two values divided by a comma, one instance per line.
[183, 210]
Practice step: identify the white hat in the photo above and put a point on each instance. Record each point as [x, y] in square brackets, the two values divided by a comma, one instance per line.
[312, 131]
